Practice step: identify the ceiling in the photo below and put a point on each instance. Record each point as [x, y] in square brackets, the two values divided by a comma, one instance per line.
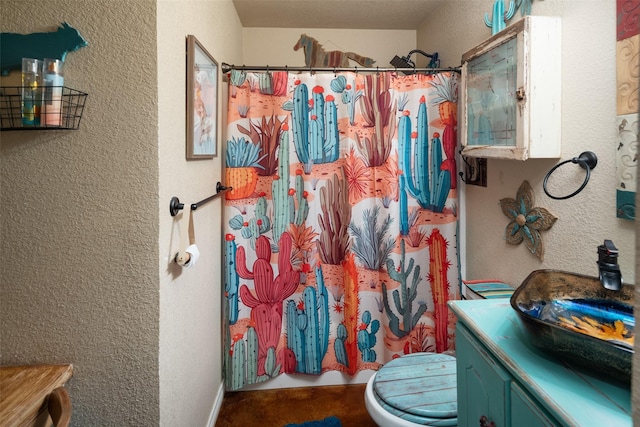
[348, 14]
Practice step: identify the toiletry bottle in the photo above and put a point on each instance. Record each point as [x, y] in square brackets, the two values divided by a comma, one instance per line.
[31, 93]
[52, 101]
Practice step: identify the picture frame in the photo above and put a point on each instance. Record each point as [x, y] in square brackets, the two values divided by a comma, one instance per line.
[202, 102]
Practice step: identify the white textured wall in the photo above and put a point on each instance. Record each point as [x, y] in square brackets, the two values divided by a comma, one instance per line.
[274, 46]
[190, 299]
[79, 270]
[588, 124]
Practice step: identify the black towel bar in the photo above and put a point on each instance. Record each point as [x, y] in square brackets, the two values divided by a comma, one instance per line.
[175, 206]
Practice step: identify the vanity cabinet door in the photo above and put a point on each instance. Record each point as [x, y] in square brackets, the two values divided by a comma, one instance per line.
[483, 385]
[525, 412]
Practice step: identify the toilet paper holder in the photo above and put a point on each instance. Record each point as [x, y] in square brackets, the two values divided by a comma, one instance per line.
[175, 206]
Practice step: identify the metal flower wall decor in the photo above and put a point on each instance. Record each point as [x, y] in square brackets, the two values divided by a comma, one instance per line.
[527, 221]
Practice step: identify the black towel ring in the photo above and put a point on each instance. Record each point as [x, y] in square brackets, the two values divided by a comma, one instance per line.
[587, 160]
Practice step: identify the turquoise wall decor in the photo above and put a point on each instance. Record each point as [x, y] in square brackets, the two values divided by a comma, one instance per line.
[499, 18]
[54, 45]
[526, 220]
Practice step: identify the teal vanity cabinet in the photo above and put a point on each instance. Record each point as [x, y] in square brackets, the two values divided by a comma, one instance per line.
[504, 381]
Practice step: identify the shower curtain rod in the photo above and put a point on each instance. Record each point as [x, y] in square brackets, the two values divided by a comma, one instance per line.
[226, 68]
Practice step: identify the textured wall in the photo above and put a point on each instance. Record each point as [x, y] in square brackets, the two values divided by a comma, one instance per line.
[380, 45]
[588, 123]
[79, 271]
[190, 299]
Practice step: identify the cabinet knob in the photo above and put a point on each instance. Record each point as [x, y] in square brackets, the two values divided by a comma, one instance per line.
[520, 94]
[484, 422]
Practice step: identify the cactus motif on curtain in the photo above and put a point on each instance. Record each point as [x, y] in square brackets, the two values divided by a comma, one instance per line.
[341, 232]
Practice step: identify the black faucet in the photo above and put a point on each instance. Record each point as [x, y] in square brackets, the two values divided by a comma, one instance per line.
[610, 275]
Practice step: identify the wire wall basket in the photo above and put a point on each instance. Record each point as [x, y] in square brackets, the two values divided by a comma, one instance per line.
[68, 117]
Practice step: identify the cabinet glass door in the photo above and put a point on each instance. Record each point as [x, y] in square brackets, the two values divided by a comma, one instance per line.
[491, 92]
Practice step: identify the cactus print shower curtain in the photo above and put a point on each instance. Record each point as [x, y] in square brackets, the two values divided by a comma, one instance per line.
[341, 228]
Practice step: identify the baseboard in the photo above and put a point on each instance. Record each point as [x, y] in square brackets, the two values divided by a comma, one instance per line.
[327, 378]
[213, 416]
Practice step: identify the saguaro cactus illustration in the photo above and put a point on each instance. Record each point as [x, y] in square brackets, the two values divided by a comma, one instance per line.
[404, 296]
[308, 327]
[231, 278]
[243, 367]
[269, 291]
[290, 205]
[431, 185]
[315, 126]
[438, 267]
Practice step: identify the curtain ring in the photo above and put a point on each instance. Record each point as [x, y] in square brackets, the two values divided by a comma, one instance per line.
[377, 70]
[356, 68]
[587, 160]
[334, 72]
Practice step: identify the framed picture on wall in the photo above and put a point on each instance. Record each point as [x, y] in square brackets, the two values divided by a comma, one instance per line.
[202, 102]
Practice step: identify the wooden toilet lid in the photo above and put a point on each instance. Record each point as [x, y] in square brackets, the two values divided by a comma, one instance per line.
[422, 384]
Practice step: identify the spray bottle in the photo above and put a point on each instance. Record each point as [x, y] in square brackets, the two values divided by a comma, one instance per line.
[53, 83]
[31, 92]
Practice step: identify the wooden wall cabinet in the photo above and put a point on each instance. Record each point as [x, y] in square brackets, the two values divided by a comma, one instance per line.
[511, 90]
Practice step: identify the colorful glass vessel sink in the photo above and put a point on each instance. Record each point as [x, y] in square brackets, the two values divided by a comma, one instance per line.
[579, 321]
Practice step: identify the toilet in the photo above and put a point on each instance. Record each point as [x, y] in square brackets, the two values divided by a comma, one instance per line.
[414, 390]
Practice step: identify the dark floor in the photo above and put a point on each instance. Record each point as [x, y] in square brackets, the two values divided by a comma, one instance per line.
[279, 407]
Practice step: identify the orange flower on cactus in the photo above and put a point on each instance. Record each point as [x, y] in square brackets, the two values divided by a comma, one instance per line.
[527, 221]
